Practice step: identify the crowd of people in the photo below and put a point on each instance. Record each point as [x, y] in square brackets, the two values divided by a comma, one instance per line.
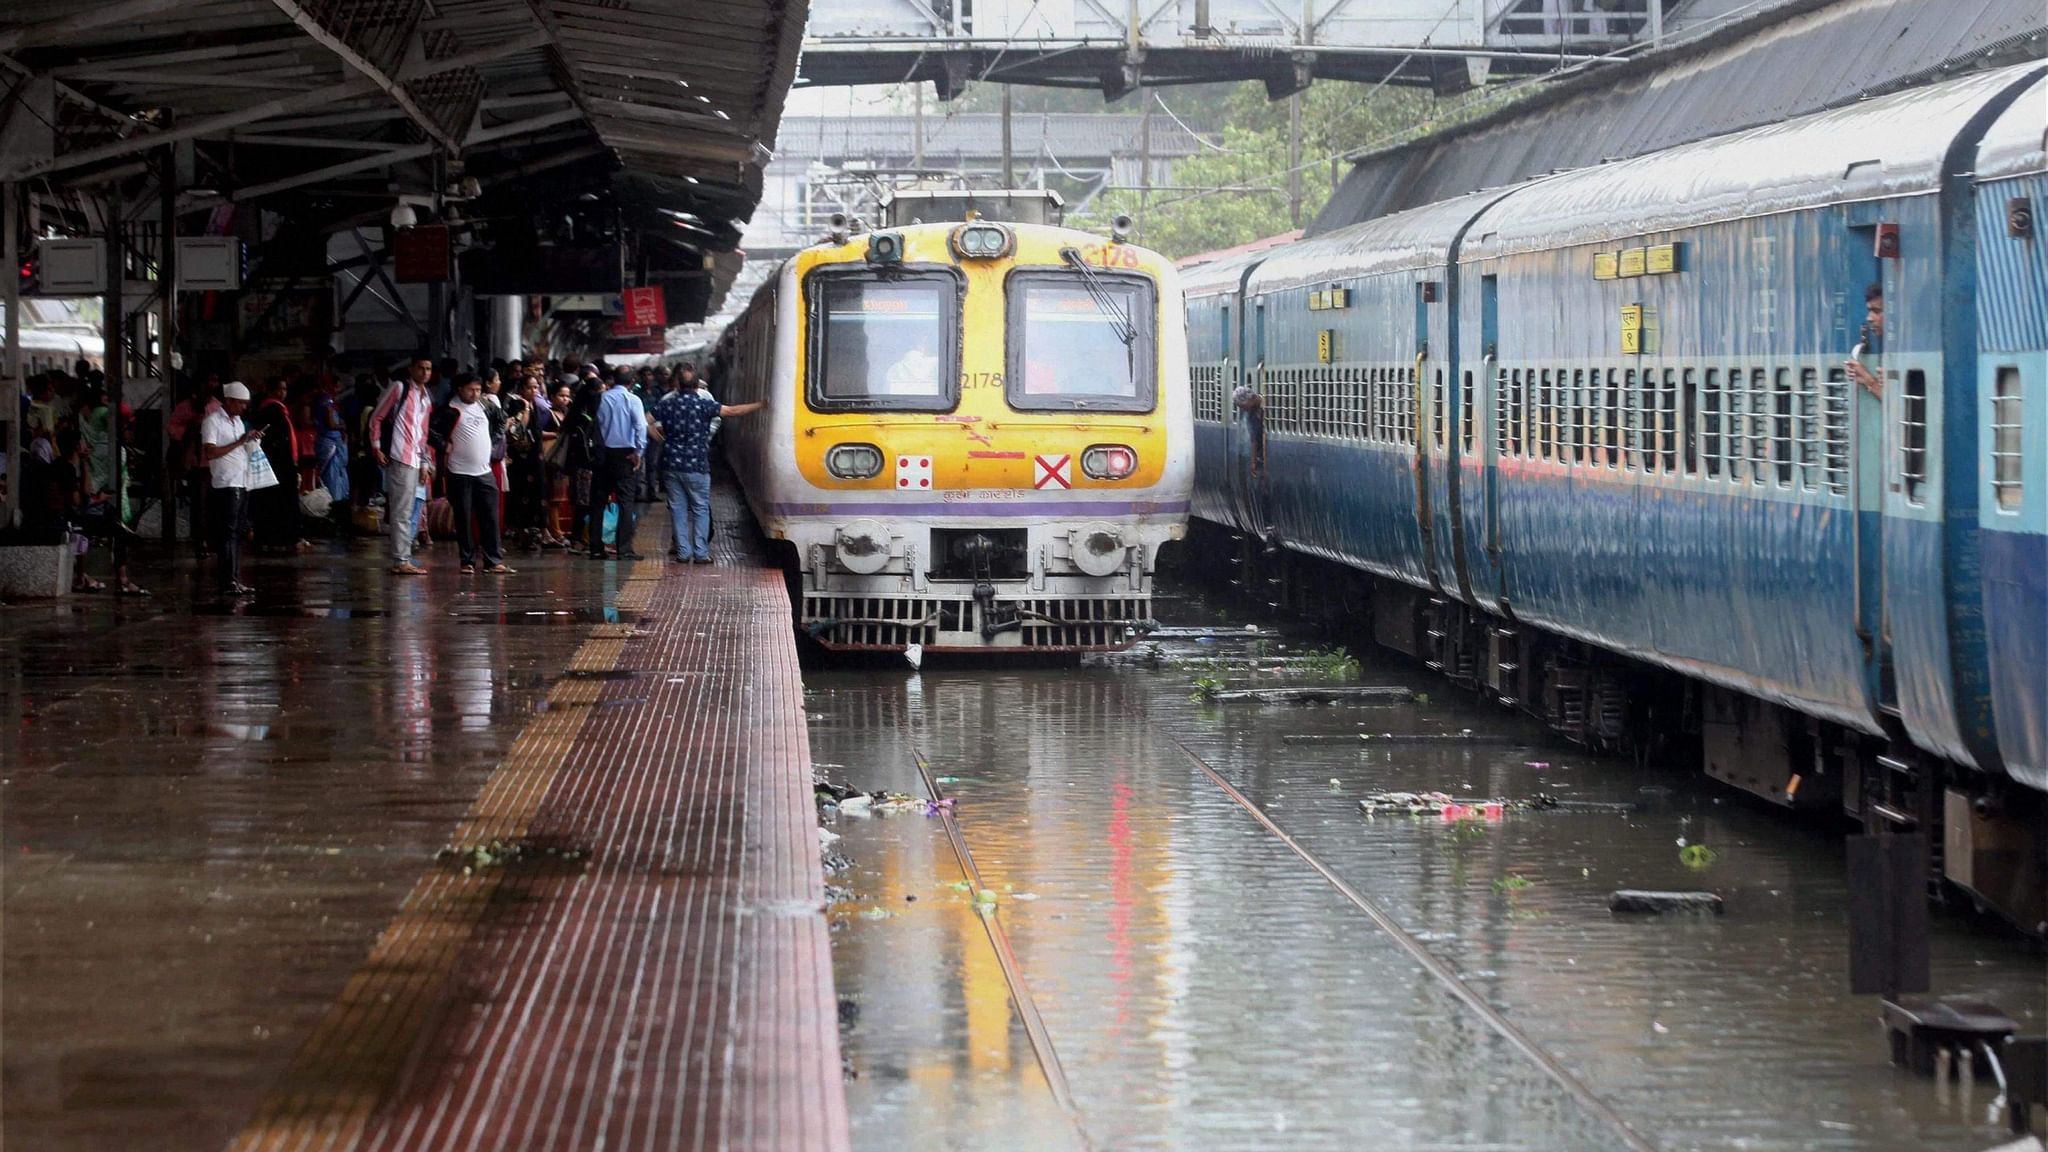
[522, 455]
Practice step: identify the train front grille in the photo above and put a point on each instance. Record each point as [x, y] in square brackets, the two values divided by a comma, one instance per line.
[1046, 624]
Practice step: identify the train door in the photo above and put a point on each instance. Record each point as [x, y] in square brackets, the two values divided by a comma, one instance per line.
[1869, 451]
[1490, 435]
[1247, 423]
[1424, 401]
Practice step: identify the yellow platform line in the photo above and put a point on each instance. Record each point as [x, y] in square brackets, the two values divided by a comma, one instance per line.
[392, 1005]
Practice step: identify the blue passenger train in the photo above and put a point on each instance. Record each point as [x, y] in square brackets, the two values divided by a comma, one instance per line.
[1611, 418]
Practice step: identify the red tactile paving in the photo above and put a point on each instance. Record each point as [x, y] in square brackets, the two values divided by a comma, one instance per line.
[672, 989]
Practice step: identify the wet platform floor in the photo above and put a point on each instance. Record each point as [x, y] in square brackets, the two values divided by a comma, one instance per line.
[229, 915]
[1204, 989]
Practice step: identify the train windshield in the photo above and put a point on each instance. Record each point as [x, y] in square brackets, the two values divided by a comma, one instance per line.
[884, 343]
[1080, 343]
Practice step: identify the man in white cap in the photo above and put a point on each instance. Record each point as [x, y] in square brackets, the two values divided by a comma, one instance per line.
[224, 445]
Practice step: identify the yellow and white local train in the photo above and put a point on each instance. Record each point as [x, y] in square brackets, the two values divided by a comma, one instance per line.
[977, 433]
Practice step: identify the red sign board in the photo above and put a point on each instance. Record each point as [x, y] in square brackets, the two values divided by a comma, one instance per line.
[421, 254]
[646, 308]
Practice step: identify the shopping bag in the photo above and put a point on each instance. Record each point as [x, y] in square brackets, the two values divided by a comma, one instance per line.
[316, 502]
[611, 523]
[261, 474]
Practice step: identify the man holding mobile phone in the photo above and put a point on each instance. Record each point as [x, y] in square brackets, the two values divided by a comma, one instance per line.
[1873, 342]
[224, 445]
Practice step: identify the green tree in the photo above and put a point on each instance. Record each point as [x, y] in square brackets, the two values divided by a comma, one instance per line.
[1240, 190]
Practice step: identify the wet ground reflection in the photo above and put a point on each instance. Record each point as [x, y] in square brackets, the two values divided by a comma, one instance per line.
[1205, 990]
[208, 812]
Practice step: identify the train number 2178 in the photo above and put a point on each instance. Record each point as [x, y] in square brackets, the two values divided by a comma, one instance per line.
[1110, 256]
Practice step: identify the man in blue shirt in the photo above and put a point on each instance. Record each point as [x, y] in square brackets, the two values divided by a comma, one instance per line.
[685, 416]
[622, 429]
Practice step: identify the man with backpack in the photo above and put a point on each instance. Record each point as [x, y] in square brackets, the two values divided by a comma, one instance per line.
[398, 439]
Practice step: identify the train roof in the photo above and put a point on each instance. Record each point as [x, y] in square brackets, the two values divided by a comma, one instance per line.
[1417, 238]
[1215, 276]
[1888, 146]
[2017, 142]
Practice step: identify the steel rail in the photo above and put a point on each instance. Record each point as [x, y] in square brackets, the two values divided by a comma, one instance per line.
[1013, 973]
[1436, 967]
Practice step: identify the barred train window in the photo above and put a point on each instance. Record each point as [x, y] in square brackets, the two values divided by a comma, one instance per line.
[2007, 443]
[1913, 434]
[1668, 428]
[1577, 412]
[1436, 409]
[1465, 404]
[1808, 401]
[1517, 424]
[1710, 423]
[1611, 423]
[1759, 426]
[1836, 420]
[1781, 426]
[1546, 419]
[1689, 434]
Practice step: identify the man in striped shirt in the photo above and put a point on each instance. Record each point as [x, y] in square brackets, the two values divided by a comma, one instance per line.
[398, 442]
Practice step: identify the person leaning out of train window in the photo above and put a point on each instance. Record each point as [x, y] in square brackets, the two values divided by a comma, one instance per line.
[1873, 342]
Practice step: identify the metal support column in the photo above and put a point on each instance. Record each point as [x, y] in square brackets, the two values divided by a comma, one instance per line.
[167, 332]
[114, 328]
[10, 352]
[1009, 174]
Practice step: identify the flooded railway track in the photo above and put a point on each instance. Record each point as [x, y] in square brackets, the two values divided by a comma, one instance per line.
[1162, 972]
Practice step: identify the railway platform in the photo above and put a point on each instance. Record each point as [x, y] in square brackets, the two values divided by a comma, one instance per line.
[449, 863]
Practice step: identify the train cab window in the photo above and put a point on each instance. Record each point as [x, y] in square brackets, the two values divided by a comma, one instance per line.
[2007, 441]
[1913, 434]
[884, 344]
[1081, 340]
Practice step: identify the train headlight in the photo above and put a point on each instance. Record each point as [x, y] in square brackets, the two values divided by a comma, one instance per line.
[1097, 549]
[981, 242]
[854, 461]
[1108, 462]
[862, 546]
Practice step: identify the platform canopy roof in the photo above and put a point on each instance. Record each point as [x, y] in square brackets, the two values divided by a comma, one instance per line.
[329, 110]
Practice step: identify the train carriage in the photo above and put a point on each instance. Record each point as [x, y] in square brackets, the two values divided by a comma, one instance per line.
[1607, 413]
[977, 435]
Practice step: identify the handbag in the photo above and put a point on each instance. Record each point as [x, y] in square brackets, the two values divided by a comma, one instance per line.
[316, 502]
[261, 474]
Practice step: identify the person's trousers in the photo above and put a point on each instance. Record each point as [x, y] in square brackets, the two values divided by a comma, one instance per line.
[401, 485]
[227, 516]
[616, 476]
[689, 510]
[474, 500]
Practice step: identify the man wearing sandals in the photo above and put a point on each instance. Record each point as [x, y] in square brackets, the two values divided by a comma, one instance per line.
[464, 431]
[398, 442]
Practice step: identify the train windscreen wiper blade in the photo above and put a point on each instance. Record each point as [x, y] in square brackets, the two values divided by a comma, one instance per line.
[1126, 331]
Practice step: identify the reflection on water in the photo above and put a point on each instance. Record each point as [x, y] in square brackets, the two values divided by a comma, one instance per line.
[1205, 990]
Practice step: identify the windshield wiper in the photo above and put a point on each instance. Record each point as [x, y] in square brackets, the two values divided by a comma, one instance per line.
[1126, 331]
